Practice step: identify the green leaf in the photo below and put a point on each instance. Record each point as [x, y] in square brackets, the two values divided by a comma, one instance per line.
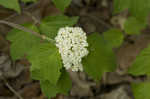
[100, 58]
[25, 1]
[64, 83]
[45, 62]
[62, 4]
[133, 26]
[51, 24]
[63, 86]
[12, 4]
[138, 8]
[141, 65]
[114, 37]
[121, 5]
[141, 90]
[48, 89]
[22, 42]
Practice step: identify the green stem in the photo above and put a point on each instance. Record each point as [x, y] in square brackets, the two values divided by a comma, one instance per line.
[17, 26]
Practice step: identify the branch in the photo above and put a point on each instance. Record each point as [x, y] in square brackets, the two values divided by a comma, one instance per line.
[17, 26]
[12, 90]
[36, 21]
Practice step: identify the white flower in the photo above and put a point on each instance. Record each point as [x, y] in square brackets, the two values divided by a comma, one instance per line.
[72, 44]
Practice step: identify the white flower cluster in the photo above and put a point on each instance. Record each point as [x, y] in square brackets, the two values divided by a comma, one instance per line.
[72, 45]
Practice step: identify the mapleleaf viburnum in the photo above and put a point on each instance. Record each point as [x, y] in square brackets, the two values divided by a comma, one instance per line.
[72, 44]
[44, 56]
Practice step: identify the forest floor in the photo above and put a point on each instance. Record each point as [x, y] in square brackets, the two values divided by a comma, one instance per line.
[95, 16]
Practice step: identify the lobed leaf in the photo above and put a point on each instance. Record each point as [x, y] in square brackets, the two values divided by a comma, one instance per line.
[141, 90]
[63, 86]
[121, 5]
[51, 24]
[138, 8]
[114, 37]
[62, 4]
[141, 65]
[11, 4]
[100, 59]
[22, 42]
[134, 26]
[45, 62]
